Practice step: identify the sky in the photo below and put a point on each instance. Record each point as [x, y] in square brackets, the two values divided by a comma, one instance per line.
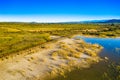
[58, 10]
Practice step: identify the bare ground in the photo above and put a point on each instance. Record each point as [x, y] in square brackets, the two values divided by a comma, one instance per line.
[54, 59]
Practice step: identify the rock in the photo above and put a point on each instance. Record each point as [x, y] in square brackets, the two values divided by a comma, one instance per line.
[106, 58]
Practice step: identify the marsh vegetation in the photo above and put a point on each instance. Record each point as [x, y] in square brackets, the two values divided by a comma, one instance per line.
[15, 37]
[49, 41]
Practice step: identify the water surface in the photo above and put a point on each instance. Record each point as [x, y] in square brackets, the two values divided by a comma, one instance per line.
[95, 72]
[111, 46]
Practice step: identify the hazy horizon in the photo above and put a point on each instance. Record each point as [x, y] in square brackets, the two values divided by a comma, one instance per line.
[47, 19]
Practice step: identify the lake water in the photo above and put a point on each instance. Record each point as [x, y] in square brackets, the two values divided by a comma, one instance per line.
[111, 46]
[95, 72]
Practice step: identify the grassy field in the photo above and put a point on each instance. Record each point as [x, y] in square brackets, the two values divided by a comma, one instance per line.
[15, 37]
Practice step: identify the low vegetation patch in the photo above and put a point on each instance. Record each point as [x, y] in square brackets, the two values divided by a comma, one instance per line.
[15, 37]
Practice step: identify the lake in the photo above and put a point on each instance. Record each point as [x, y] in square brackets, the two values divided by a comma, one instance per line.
[95, 72]
[111, 46]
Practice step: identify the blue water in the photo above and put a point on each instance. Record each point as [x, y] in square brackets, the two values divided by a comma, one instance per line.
[95, 72]
[111, 46]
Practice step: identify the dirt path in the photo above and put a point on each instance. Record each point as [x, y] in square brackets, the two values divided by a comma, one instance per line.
[50, 60]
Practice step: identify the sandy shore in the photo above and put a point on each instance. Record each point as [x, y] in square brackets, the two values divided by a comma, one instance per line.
[54, 59]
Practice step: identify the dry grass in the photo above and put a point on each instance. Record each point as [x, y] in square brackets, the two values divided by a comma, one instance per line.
[77, 54]
[90, 52]
[71, 62]
[59, 58]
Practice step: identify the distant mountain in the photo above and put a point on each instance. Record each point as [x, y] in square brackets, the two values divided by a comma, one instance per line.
[77, 22]
[113, 21]
[103, 21]
[95, 21]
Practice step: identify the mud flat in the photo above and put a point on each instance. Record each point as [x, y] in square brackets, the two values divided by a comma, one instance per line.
[56, 58]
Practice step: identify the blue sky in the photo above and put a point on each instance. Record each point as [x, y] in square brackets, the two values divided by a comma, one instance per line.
[58, 10]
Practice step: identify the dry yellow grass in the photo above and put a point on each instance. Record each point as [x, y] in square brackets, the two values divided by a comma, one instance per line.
[62, 56]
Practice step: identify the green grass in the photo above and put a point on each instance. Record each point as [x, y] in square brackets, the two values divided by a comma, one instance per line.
[15, 40]
[113, 72]
[15, 37]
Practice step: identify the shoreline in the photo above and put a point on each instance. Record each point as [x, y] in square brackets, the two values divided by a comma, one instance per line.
[94, 36]
[56, 58]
